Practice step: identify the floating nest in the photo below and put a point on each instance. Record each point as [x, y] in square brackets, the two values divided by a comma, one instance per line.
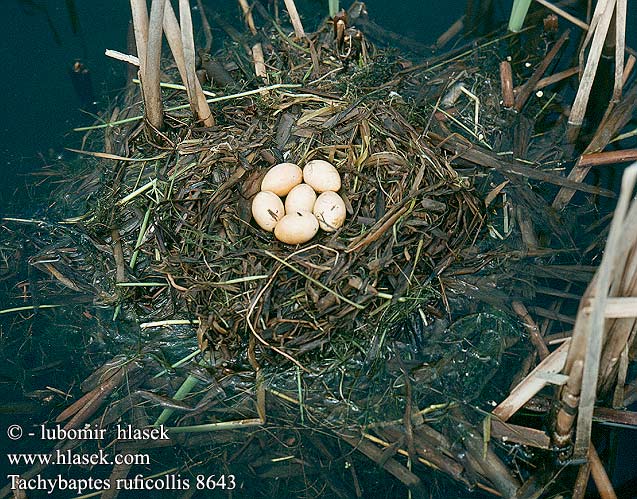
[183, 210]
[408, 215]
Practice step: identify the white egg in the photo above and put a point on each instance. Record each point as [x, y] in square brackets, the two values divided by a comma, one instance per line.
[281, 178]
[329, 210]
[296, 228]
[301, 198]
[267, 210]
[322, 176]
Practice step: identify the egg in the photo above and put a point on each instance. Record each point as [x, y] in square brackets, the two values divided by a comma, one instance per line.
[296, 228]
[267, 210]
[301, 198]
[329, 210]
[281, 178]
[322, 176]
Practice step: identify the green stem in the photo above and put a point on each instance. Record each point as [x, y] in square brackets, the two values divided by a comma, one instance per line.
[334, 7]
[518, 13]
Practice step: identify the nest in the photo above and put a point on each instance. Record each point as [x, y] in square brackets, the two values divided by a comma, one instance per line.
[408, 215]
[185, 215]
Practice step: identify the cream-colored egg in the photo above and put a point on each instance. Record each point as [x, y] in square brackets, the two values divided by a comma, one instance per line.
[267, 210]
[296, 228]
[281, 178]
[329, 210]
[322, 176]
[300, 198]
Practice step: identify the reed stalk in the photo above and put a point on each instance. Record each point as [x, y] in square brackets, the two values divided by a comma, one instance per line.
[186, 68]
[188, 48]
[295, 18]
[599, 28]
[139, 12]
[334, 7]
[597, 344]
[518, 13]
[151, 89]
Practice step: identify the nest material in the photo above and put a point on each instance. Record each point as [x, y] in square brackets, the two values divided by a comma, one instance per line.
[408, 215]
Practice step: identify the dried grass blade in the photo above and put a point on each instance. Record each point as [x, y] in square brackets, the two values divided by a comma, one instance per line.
[314, 281]
[105, 155]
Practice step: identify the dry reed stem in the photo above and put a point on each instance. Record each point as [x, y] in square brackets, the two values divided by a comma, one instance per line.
[519, 434]
[628, 68]
[198, 103]
[528, 87]
[139, 12]
[622, 374]
[247, 14]
[151, 88]
[607, 158]
[259, 62]
[482, 452]
[554, 78]
[599, 29]
[409, 479]
[620, 46]
[614, 119]
[581, 482]
[589, 328]
[294, 17]
[600, 477]
[532, 329]
[188, 48]
[452, 31]
[532, 384]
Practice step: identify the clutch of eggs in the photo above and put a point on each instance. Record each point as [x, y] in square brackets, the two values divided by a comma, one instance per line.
[298, 220]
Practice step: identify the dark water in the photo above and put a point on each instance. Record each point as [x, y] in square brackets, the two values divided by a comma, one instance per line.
[41, 41]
